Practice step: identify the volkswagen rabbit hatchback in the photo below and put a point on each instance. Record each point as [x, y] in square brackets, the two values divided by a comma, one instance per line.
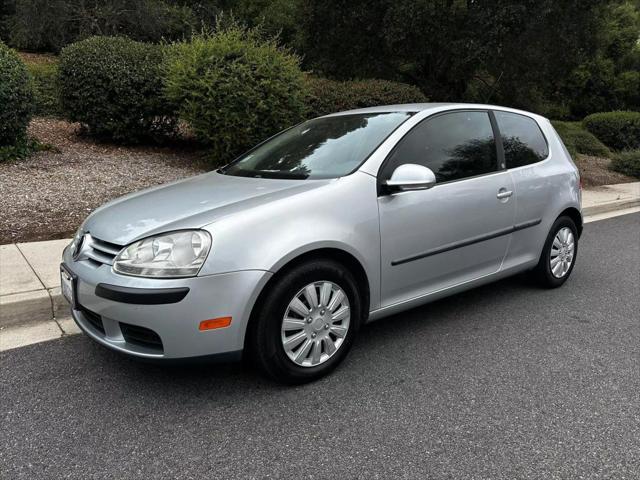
[286, 252]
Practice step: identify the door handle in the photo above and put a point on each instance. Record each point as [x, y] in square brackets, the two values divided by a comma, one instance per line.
[504, 193]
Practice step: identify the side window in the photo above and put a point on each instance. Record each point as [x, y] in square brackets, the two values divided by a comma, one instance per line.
[522, 139]
[454, 145]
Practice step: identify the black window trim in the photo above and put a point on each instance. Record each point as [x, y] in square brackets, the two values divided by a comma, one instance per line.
[544, 137]
[382, 191]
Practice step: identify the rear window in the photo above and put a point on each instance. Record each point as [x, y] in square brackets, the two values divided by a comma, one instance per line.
[522, 139]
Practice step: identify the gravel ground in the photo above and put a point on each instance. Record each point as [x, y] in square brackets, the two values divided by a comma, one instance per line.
[48, 195]
[594, 171]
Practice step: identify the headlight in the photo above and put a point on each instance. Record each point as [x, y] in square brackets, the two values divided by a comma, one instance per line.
[175, 254]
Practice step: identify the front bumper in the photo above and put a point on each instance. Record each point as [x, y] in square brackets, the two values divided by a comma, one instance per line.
[164, 330]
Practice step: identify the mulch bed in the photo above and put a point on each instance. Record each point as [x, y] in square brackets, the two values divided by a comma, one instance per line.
[48, 195]
[594, 171]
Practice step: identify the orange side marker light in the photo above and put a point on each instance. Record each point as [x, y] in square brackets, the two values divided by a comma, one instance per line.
[214, 323]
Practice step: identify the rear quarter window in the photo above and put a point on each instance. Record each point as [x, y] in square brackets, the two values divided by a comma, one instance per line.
[522, 139]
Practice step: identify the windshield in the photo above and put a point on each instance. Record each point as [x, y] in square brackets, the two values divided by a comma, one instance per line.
[326, 147]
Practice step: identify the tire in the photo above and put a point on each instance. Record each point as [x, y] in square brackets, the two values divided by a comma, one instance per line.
[268, 334]
[543, 272]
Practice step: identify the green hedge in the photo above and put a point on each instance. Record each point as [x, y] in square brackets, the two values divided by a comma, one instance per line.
[627, 162]
[234, 89]
[16, 97]
[618, 130]
[113, 86]
[329, 96]
[578, 140]
[46, 89]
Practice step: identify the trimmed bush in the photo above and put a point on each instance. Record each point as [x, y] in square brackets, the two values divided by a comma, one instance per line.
[579, 140]
[16, 97]
[627, 162]
[46, 89]
[617, 130]
[329, 96]
[113, 86]
[234, 89]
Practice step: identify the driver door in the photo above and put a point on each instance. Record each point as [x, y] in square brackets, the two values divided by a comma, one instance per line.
[457, 230]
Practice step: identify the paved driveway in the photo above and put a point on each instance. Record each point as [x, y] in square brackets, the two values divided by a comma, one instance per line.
[505, 381]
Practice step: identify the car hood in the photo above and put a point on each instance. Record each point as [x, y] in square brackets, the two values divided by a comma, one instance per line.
[190, 203]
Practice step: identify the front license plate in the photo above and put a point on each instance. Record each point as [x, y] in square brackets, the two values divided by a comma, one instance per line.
[67, 285]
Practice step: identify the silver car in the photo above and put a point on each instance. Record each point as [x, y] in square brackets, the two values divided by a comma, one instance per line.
[286, 252]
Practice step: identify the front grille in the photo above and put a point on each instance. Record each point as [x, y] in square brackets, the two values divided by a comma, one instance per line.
[93, 318]
[141, 336]
[98, 251]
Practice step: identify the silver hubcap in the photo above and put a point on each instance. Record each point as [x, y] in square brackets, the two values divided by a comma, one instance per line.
[315, 323]
[562, 251]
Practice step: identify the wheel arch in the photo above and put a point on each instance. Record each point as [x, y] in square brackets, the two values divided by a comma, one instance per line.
[575, 215]
[341, 256]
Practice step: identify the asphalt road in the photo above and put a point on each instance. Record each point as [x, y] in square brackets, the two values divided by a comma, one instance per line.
[505, 381]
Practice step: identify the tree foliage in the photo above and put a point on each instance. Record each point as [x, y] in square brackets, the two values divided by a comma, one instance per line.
[564, 59]
[525, 53]
[49, 25]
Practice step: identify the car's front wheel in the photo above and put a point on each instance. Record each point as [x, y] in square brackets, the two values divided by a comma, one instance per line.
[306, 322]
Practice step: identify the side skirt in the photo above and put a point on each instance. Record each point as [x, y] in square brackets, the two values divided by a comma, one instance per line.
[445, 292]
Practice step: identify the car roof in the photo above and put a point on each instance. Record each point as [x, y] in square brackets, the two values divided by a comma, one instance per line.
[421, 107]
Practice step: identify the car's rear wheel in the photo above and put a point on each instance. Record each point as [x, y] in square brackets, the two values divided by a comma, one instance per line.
[307, 322]
[559, 254]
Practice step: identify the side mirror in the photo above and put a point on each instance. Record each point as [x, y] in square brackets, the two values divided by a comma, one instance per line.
[411, 177]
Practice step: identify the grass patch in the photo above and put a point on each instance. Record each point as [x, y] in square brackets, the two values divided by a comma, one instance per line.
[578, 140]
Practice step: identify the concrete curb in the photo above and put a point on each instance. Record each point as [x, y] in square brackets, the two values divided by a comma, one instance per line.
[23, 308]
[32, 307]
[610, 207]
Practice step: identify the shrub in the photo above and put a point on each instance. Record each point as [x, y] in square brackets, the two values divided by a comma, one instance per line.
[627, 162]
[234, 89]
[617, 130]
[328, 96]
[113, 87]
[16, 97]
[46, 88]
[579, 140]
[22, 148]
